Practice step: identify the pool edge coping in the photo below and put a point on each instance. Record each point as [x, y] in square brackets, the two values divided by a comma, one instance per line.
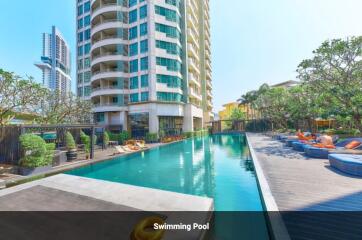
[278, 228]
[74, 165]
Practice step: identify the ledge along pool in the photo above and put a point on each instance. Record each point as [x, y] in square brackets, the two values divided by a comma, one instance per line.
[217, 166]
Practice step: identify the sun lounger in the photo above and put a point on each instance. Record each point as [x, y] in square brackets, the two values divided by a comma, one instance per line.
[323, 153]
[300, 146]
[119, 150]
[348, 163]
[141, 145]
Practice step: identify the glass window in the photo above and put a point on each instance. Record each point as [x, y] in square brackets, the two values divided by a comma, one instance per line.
[100, 117]
[80, 78]
[87, 62]
[133, 66]
[133, 83]
[80, 10]
[87, 48]
[80, 64]
[171, 64]
[87, 77]
[80, 37]
[144, 63]
[87, 34]
[80, 23]
[144, 46]
[169, 97]
[143, 29]
[134, 97]
[143, 12]
[144, 96]
[87, 7]
[132, 3]
[80, 51]
[171, 48]
[139, 124]
[133, 49]
[170, 31]
[169, 14]
[170, 81]
[133, 33]
[144, 81]
[173, 2]
[87, 20]
[80, 92]
[87, 91]
[132, 16]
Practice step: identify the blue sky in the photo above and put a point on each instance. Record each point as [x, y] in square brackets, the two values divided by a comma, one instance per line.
[253, 41]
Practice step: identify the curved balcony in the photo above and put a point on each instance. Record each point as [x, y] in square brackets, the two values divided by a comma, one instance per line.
[192, 50]
[107, 90]
[107, 74]
[107, 25]
[108, 57]
[193, 66]
[108, 107]
[107, 42]
[108, 8]
[209, 85]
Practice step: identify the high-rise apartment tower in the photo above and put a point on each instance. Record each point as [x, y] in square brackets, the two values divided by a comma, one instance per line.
[146, 64]
[55, 62]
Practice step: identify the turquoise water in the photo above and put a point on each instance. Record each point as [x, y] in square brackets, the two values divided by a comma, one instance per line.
[219, 167]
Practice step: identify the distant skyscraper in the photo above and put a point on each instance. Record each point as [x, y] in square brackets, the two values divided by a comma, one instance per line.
[55, 62]
[146, 65]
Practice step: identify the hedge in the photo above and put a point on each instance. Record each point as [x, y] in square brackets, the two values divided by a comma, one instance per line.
[37, 152]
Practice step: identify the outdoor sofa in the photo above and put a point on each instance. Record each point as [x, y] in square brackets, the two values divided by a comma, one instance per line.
[347, 163]
[323, 153]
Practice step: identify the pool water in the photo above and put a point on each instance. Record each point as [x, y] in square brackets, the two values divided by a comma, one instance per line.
[218, 166]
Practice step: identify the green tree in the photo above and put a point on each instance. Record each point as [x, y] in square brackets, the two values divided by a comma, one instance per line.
[18, 95]
[56, 108]
[335, 72]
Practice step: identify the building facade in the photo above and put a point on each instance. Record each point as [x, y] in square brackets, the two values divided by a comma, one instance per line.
[228, 109]
[146, 64]
[56, 62]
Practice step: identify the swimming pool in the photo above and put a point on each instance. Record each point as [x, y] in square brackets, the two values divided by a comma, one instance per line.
[218, 166]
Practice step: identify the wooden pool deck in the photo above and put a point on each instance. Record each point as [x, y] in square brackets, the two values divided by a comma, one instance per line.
[304, 188]
[299, 183]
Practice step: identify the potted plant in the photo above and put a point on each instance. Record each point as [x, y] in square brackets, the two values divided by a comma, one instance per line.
[85, 139]
[152, 138]
[37, 155]
[71, 147]
[106, 139]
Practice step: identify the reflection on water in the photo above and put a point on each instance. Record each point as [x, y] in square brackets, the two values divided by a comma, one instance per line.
[218, 166]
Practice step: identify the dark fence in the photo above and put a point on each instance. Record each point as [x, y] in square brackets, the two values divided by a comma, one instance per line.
[258, 125]
[9, 144]
[10, 149]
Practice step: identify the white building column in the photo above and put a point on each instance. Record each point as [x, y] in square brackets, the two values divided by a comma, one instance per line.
[188, 123]
[154, 125]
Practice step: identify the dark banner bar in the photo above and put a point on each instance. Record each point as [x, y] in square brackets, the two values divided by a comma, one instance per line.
[137, 225]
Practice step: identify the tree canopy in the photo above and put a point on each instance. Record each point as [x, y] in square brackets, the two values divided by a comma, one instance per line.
[20, 95]
[330, 86]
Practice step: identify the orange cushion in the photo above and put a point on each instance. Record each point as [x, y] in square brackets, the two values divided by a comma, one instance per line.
[353, 145]
[319, 145]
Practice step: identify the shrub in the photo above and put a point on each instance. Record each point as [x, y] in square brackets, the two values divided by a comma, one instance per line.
[36, 152]
[85, 139]
[188, 134]
[122, 137]
[106, 138]
[198, 133]
[50, 152]
[151, 137]
[69, 141]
